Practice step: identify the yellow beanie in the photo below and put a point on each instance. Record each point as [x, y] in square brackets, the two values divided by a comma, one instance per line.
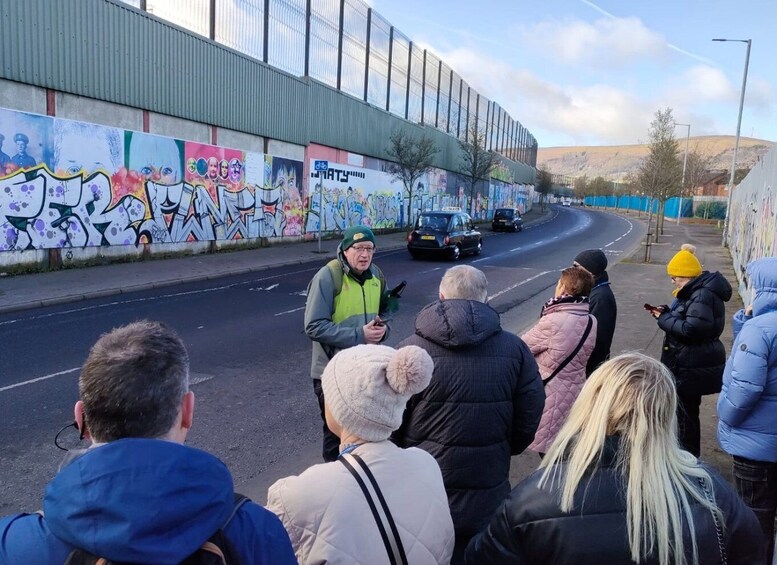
[684, 264]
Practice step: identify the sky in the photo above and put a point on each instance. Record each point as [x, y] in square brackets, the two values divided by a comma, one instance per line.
[585, 72]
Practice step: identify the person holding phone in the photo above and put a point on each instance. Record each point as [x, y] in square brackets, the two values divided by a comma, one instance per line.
[346, 305]
[692, 348]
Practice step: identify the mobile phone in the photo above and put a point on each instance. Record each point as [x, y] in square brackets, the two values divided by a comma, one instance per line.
[378, 321]
[648, 307]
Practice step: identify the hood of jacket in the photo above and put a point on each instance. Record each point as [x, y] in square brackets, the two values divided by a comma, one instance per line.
[714, 282]
[457, 323]
[763, 280]
[139, 500]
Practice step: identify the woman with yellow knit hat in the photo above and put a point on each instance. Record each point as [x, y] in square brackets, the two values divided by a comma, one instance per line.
[692, 348]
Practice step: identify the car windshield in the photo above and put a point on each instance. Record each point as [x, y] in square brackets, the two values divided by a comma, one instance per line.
[503, 214]
[435, 223]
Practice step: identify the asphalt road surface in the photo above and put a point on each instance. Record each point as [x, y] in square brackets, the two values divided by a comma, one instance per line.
[250, 359]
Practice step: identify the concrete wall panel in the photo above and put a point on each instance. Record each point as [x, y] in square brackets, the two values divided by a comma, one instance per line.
[73, 107]
[22, 97]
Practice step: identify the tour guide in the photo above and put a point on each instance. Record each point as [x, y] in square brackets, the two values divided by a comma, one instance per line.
[345, 300]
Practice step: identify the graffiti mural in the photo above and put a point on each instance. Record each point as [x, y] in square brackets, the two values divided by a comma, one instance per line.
[75, 184]
[345, 196]
[753, 219]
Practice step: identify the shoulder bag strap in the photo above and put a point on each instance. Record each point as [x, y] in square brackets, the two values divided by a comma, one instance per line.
[718, 528]
[571, 356]
[388, 529]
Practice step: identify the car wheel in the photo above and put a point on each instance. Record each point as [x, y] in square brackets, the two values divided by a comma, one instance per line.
[414, 255]
[456, 253]
[479, 248]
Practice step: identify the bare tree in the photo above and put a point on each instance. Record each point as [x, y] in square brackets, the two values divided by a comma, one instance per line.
[412, 158]
[544, 185]
[476, 161]
[661, 171]
[581, 187]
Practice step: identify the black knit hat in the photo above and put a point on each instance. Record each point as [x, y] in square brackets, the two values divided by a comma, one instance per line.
[592, 260]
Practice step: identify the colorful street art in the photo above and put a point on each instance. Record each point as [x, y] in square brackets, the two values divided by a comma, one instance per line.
[75, 184]
[68, 184]
[753, 219]
[345, 196]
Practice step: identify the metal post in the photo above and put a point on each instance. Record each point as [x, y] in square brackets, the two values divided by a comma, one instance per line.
[266, 31]
[212, 20]
[308, 11]
[749, 42]
[367, 55]
[407, 88]
[685, 163]
[450, 99]
[390, 63]
[320, 209]
[437, 107]
[423, 90]
[340, 45]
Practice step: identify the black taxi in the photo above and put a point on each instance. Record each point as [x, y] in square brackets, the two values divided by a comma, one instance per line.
[448, 232]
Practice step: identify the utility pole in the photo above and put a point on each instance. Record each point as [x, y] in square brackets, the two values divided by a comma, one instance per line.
[736, 143]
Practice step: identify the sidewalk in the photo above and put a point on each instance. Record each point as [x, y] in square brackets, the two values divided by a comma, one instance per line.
[634, 283]
[34, 290]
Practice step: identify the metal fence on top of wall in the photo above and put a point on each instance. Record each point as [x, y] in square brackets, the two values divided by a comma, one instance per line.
[349, 46]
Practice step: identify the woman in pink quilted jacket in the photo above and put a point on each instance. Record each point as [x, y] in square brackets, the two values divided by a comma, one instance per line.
[562, 341]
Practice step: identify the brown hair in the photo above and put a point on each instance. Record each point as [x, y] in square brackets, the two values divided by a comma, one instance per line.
[577, 281]
[133, 382]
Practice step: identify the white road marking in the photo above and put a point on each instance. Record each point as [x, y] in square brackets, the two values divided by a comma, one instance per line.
[516, 285]
[289, 311]
[194, 378]
[153, 298]
[43, 378]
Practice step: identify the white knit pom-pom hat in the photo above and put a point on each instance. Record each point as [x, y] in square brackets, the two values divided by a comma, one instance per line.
[366, 387]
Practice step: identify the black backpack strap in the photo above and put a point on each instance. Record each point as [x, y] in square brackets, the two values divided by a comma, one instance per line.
[391, 540]
[571, 356]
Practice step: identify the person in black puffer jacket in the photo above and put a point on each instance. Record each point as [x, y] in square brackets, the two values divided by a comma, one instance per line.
[601, 303]
[692, 348]
[616, 489]
[484, 402]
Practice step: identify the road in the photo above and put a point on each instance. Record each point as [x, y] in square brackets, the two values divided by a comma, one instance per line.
[249, 358]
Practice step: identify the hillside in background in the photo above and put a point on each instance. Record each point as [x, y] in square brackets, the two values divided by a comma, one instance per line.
[614, 162]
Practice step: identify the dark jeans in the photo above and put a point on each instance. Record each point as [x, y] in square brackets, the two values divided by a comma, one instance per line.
[756, 484]
[331, 445]
[689, 429]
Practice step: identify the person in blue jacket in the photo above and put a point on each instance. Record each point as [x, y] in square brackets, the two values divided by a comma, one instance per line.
[137, 494]
[747, 405]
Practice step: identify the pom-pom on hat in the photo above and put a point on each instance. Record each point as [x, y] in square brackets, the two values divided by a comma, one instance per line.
[592, 260]
[356, 234]
[366, 387]
[684, 264]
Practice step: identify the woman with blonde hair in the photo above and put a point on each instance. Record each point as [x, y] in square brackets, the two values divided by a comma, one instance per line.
[615, 487]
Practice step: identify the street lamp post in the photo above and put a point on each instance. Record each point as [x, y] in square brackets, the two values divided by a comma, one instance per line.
[736, 143]
[685, 163]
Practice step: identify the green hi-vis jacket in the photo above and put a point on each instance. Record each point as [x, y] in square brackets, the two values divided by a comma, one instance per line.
[335, 321]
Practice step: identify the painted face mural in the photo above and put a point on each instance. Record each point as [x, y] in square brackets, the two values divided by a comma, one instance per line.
[223, 169]
[155, 158]
[213, 168]
[235, 170]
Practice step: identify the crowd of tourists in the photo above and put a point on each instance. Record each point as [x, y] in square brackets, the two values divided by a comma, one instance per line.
[418, 439]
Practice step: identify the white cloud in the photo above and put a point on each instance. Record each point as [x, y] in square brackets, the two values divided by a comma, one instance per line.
[583, 115]
[603, 43]
[698, 85]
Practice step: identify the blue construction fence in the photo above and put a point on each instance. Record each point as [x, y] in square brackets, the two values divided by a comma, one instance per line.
[690, 208]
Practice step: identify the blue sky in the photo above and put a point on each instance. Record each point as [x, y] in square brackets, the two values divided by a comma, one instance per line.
[585, 72]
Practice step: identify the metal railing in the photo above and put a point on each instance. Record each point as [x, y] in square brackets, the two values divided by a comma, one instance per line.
[349, 46]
